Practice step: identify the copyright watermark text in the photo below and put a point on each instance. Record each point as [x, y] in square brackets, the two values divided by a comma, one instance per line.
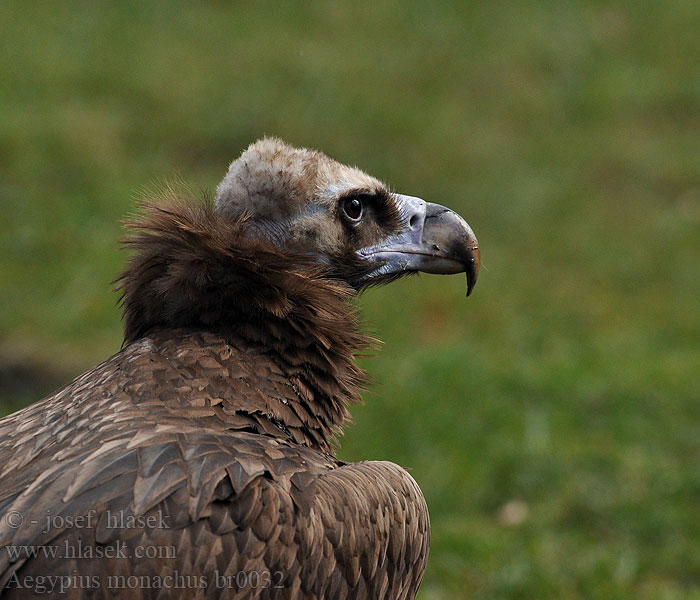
[119, 519]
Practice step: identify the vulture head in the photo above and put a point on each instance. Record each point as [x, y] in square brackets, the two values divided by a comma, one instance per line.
[290, 235]
[306, 203]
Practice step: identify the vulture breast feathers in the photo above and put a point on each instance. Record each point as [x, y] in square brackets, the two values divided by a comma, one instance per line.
[198, 461]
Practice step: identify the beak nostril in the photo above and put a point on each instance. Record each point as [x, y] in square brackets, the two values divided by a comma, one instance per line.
[413, 223]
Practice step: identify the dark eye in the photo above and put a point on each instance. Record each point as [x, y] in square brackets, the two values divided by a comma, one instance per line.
[352, 207]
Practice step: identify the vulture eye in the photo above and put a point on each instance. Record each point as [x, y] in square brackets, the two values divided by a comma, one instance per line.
[353, 207]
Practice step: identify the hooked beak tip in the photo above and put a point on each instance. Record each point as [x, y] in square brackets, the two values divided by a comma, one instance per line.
[472, 269]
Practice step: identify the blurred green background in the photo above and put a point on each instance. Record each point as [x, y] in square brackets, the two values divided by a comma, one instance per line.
[553, 419]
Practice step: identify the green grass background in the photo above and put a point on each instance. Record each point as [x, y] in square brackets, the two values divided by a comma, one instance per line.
[567, 133]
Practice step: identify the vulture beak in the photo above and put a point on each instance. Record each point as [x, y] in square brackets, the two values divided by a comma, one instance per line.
[432, 239]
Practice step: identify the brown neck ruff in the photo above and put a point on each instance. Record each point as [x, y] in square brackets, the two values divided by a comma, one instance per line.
[192, 269]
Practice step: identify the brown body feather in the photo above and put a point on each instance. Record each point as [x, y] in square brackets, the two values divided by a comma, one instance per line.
[216, 420]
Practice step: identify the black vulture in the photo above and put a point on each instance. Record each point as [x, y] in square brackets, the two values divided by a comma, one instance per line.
[199, 461]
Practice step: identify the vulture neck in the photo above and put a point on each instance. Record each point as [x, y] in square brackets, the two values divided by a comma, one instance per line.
[191, 269]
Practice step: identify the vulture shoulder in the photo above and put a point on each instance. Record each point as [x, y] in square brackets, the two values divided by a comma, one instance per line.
[198, 461]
